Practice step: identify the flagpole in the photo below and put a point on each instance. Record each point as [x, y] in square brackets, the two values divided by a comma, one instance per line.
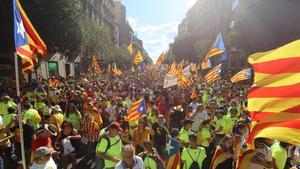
[19, 111]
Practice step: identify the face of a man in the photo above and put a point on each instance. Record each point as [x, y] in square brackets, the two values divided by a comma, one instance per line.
[128, 157]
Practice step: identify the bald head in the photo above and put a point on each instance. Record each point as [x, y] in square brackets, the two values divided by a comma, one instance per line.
[128, 153]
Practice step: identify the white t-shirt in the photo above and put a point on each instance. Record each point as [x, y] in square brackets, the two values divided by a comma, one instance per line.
[263, 153]
[198, 119]
[49, 165]
[138, 161]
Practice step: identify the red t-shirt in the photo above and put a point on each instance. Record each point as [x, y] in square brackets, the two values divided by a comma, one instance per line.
[41, 141]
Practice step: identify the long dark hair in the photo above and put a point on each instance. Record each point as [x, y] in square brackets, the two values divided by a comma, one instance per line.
[68, 109]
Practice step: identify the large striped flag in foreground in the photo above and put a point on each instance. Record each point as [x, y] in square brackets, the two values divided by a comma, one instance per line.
[274, 99]
[137, 110]
[213, 74]
[172, 154]
[27, 41]
[241, 75]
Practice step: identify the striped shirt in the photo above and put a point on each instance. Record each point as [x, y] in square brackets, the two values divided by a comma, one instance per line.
[90, 130]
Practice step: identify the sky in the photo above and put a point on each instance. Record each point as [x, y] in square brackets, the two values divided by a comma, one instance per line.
[156, 21]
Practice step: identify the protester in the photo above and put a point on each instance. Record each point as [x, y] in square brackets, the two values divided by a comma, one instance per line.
[129, 159]
[193, 156]
[84, 124]
[110, 146]
[43, 159]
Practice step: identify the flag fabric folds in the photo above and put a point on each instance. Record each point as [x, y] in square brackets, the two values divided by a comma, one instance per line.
[218, 48]
[213, 74]
[137, 110]
[172, 154]
[116, 70]
[173, 70]
[138, 58]
[95, 65]
[242, 75]
[160, 59]
[27, 41]
[130, 48]
[273, 101]
[183, 81]
[194, 94]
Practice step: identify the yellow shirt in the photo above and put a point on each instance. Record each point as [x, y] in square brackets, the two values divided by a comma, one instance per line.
[57, 119]
[189, 155]
[203, 137]
[139, 137]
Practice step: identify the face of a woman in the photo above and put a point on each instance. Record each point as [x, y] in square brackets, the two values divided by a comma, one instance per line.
[67, 130]
[228, 143]
[72, 109]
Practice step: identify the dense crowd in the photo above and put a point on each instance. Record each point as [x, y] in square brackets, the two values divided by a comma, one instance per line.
[67, 122]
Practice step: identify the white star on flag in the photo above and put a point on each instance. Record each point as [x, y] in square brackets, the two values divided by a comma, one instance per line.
[169, 147]
[21, 29]
[141, 109]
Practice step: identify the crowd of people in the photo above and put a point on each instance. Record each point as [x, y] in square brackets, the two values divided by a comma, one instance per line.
[67, 122]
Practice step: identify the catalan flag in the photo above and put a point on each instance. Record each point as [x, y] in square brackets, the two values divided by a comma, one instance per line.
[116, 70]
[161, 59]
[273, 101]
[194, 94]
[172, 154]
[242, 75]
[244, 159]
[27, 41]
[173, 70]
[218, 158]
[218, 48]
[213, 74]
[130, 48]
[137, 110]
[95, 65]
[138, 58]
[183, 81]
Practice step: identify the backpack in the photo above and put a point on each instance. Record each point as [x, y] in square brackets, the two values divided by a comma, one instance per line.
[194, 164]
[109, 145]
[100, 162]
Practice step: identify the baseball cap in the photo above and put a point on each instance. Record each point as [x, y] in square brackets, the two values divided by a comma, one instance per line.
[41, 151]
[115, 125]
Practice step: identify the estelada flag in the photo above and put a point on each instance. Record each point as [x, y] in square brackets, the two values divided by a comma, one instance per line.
[244, 74]
[172, 154]
[218, 48]
[28, 43]
[273, 101]
[213, 74]
[137, 110]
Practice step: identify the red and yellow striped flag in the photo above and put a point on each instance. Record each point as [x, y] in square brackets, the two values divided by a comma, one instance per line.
[274, 99]
[160, 59]
[95, 65]
[138, 58]
[28, 43]
[183, 81]
[213, 74]
[173, 70]
[137, 110]
[130, 48]
[194, 94]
